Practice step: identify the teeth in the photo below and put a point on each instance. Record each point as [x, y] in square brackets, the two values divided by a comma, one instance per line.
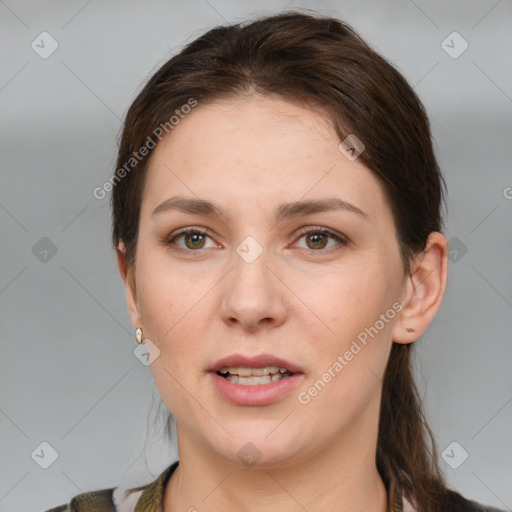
[253, 372]
[243, 372]
[255, 380]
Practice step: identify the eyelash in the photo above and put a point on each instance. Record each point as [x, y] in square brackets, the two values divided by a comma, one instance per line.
[343, 241]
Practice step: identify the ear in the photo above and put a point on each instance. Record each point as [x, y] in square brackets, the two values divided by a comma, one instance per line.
[423, 291]
[128, 277]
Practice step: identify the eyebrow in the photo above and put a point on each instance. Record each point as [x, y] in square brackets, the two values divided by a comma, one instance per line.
[282, 212]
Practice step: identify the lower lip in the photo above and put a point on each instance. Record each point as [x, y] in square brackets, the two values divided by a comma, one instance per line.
[260, 394]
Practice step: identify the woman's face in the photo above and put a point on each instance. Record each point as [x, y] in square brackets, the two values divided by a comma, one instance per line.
[256, 282]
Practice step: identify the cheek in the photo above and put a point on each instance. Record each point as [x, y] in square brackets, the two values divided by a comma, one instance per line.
[354, 300]
[171, 323]
[352, 356]
[172, 307]
[168, 298]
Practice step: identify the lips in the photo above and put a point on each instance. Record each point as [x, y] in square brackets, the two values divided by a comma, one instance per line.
[262, 390]
[259, 361]
[255, 390]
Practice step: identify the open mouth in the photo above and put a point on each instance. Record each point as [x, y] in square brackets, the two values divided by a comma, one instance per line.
[253, 376]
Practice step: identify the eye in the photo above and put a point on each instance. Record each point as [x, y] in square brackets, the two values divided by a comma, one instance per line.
[318, 238]
[194, 238]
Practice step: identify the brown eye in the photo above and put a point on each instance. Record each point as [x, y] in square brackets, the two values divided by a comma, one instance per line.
[318, 239]
[194, 239]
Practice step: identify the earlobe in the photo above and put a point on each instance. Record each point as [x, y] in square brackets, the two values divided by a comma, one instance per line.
[424, 290]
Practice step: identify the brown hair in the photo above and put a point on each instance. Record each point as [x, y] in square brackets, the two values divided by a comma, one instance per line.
[320, 63]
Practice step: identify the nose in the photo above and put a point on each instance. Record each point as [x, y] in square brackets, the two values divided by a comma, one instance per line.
[253, 294]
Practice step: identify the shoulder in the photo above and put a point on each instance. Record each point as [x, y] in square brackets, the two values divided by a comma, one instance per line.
[94, 501]
[120, 499]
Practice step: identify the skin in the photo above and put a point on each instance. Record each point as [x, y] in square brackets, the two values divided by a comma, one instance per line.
[304, 299]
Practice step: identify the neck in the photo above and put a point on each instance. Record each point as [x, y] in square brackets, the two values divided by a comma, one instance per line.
[341, 477]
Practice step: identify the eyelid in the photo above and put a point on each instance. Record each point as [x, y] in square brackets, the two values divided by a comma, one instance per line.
[188, 229]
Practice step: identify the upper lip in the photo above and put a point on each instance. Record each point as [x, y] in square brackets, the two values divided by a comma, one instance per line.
[258, 361]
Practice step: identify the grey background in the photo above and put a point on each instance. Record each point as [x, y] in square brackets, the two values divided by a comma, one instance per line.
[68, 372]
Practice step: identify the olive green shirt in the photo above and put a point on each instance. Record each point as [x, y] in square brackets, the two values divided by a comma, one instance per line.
[152, 499]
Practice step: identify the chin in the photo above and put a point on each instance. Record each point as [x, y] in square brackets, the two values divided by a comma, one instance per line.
[255, 448]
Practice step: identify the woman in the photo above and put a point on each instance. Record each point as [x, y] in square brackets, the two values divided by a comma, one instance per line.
[277, 221]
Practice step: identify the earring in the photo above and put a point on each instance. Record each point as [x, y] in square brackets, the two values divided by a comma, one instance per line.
[138, 335]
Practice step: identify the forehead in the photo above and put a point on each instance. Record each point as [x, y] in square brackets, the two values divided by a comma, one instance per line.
[256, 129]
[257, 150]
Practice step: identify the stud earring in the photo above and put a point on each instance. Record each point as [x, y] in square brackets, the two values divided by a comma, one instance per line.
[138, 335]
